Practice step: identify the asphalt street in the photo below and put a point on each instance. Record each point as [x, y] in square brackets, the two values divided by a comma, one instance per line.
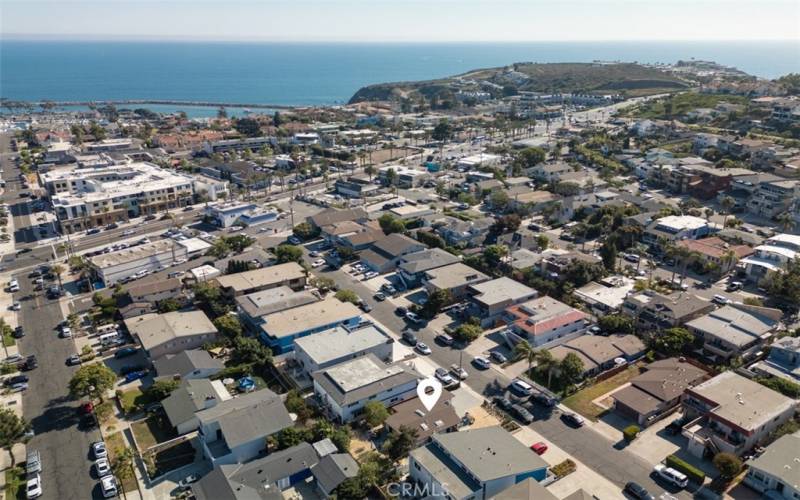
[585, 444]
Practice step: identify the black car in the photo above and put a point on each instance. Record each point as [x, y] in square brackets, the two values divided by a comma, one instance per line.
[522, 413]
[35, 274]
[365, 307]
[94, 230]
[503, 403]
[18, 333]
[150, 217]
[543, 400]
[24, 250]
[18, 379]
[89, 421]
[113, 225]
[409, 337]
[30, 363]
[638, 491]
[401, 311]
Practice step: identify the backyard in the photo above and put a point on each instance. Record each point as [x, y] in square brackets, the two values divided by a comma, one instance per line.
[582, 401]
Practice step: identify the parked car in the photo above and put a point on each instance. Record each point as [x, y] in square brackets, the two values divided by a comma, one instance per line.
[18, 333]
[186, 482]
[364, 306]
[637, 491]
[522, 413]
[99, 449]
[369, 275]
[401, 311]
[444, 377]
[16, 306]
[409, 337]
[20, 387]
[150, 217]
[130, 377]
[66, 332]
[125, 352]
[111, 226]
[502, 403]
[317, 263]
[520, 388]
[498, 357]
[294, 240]
[33, 488]
[92, 231]
[481, 362]
[444, 339]
[573, 419]
[380, 297]
[459, 372]
[128, 369]
[422, 348]
[413, 317]
[109, 486]
[31, 363]
[543, 400]
[671, 475]
[539, 448]
[73, 360]
[102, 467]
[17, 379]
[720, 299]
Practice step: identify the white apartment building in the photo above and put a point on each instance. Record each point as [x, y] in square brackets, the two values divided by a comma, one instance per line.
[773, 256]
[89, 197]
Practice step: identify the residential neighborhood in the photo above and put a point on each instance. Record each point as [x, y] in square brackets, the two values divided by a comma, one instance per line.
[604, 288]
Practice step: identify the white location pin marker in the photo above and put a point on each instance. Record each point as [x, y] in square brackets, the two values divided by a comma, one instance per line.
[429, 400]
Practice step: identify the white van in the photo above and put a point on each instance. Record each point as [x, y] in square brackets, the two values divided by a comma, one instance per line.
[104, 329]
[520, 387]
[108, 338]
[673, 476]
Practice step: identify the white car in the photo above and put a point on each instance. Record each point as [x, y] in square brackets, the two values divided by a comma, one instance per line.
[34, 487]
[422, 348]
[720, 299]
[128, 232]
[444, 377]
[412, 317]
[16, 306]
[370, 275]
[99, 449]
[109, 486]
[66, 332]
[102, 467]
[482, 362]
[318, 263]
[234, 229]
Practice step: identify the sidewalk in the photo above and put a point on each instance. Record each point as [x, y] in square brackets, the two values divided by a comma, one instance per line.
[583, 477]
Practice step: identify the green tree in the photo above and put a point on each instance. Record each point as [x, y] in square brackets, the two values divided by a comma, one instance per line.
[525, 351]
[248, 127]
[673, 341]
[250, 351]
[530, 157]
[467, 332]
[220, 248]
[616, 323]
[542, 241]
[785, 387]
[92, 380]
[571, 368]
[122, 464]
[297, 405]
[305, 231]
[494, 254]
[292, 436]
[288, 253]
[324, 283]
[400, 443]
[436, 301]
[727, 203]
[167, 305]
[728, 465]
[162, 388]
[546, 363]
[390, 224]
[12, 430]
[229, 326]
[375, 413]
[239, 242]
[341, 438]
[352, 487]
[348, 296]
[499, 200]
[210, 299]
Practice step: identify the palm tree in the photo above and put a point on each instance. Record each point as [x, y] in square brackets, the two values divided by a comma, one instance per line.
[728, 259]
[785, 221]
[523, 350]
[727, 203]
[547, 362]
[57, 269]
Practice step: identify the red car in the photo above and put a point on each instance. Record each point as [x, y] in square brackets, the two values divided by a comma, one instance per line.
[539, 448]
[87, 407]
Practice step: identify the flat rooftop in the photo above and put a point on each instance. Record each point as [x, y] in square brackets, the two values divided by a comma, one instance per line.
[455, 275]
[262, 277]
[132, 254]
[273, 300]
[338, 342]
[501, 290]
[308, 317]
[742, 401]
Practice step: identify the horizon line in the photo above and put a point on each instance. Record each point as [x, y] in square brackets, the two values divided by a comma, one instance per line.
[148, 38]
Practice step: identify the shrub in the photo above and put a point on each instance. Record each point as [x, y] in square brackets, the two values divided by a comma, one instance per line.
[565, 468]
[691, 471]
[630, 432]
[728, 465]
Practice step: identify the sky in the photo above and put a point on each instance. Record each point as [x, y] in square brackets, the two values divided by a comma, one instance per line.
[402, 20]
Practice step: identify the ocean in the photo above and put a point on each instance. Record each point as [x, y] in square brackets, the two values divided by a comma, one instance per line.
[313, 73]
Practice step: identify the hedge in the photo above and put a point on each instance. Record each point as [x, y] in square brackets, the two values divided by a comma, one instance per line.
[691, 471]
[630, 432]
[564, 468]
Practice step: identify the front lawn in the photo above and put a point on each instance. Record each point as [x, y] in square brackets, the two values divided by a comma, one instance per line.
[154, 430]
[581, 401]
[133, 400]
[115, 443]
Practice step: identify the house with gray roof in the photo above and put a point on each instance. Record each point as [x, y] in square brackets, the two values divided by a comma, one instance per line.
[235, 430]
[172, 332]
[475, 463]
[386, 253]
[332, 470]
[253, 307]
[261, 479]
[783, 360]
[189, 364]
[345, 388]
[489, 299]
[657, 391]
[412, 267]
[529, 489]
[654, 311]
[735, 330]
[776, 472]
[192, 396]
